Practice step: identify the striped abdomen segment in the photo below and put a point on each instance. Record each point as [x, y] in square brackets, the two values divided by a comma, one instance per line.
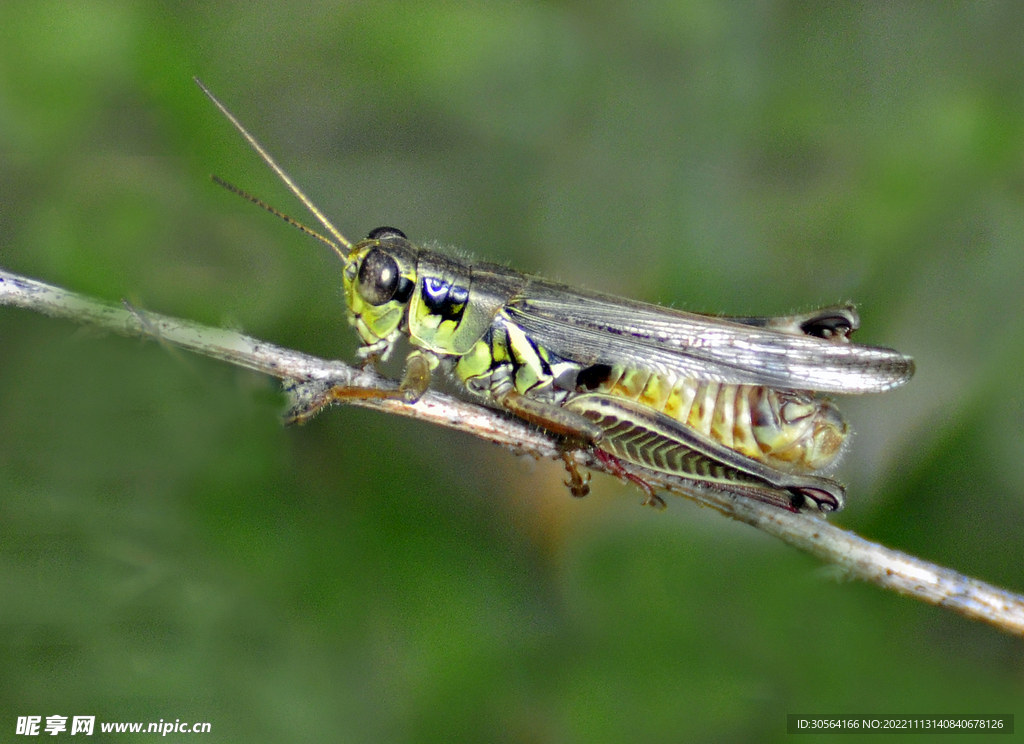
[794, 431]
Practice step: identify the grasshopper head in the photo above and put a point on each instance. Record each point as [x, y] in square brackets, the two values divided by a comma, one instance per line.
[380, 275]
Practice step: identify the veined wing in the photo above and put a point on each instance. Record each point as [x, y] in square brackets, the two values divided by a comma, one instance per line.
[592, 328]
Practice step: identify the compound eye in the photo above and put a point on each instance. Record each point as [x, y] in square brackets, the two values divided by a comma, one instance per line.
[385, 232]
[378, 277]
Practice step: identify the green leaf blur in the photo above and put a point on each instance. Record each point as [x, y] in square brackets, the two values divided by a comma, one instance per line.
[169, 551]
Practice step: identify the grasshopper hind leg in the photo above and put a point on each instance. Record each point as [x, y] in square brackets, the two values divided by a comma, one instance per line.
[579, 482]
[641, 436]
[612, 463]
[576, 432]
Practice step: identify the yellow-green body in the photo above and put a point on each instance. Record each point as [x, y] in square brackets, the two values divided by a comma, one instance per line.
[499, 332]
[736, 403]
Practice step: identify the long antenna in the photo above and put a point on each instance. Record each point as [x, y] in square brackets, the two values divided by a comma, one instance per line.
[280, 173]
[277, 213]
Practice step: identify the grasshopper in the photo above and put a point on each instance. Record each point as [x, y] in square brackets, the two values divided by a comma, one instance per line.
[735, 403]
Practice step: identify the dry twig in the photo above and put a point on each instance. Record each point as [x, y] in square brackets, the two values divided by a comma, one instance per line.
[857, 557]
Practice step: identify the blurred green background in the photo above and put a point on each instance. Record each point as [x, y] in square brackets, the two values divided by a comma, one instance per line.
[168, 550]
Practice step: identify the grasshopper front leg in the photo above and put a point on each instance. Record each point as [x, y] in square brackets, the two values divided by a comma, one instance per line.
[419, 366]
